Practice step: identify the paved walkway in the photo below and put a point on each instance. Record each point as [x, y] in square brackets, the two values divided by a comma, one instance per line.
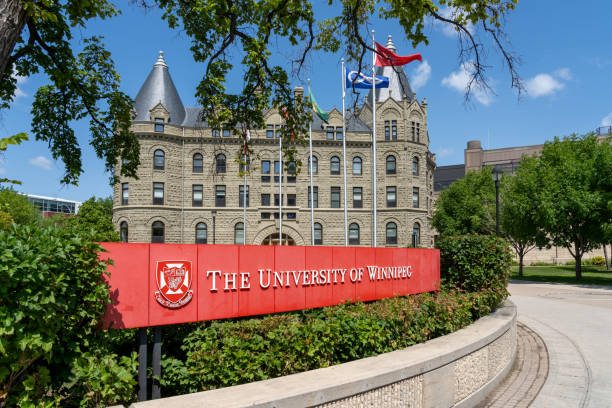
[575, 323]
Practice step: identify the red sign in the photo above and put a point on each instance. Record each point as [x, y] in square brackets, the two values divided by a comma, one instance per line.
[157, 284]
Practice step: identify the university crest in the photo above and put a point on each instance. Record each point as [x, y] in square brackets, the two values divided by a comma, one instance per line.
[174, 283]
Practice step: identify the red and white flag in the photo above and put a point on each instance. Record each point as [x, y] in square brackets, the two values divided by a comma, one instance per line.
[389, 58]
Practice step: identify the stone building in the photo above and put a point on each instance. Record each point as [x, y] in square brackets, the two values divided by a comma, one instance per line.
[189, 189]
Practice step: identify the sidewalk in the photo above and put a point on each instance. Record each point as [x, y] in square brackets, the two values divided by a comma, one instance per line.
[575, 323]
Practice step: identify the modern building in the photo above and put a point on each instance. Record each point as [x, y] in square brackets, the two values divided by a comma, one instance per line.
[51, 205]
[189, 190]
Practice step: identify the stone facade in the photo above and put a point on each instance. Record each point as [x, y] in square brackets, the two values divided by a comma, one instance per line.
[180, 214]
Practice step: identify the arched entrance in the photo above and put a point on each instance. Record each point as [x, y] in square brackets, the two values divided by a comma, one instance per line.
[273, 239]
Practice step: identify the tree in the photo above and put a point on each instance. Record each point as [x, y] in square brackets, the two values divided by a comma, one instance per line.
[97, 215]
[467, 206]
[21, 211]
[34, 36]
[519, 211]
[574, 194]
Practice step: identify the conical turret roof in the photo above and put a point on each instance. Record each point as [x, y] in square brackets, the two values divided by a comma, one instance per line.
[399, 86]
[159, 88]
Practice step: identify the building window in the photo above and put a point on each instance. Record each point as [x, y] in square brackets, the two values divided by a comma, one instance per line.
[239, 234]
[216, 133]
[158, 232]
[125, 193]
[354, 234]
[158, 193]
[291, 216]
[198, 163]
[265, 200]
[242, 168]
[387, 133]
[241, 196]
[415, 166]
[416, 132]
[123, 231]
[226, 133]
[276, 216]
[219, 196]
[391, 164]
[159, 124]
[391, 196]
[391, 233]
[220, 163]
[315, 197]
[315, 165]
[318, 234]
[197, 195]
[276, 202]
[357, 197]
[291, 201]
[393, 130]
[201, 233]
[265, 171]
[265, 215]
[415, 197]
[270, 132]
[357, 166]
[416, 235]
[291, 170]
[335, 197]
[330, 133]
[339, 132]
[335, 165]
[158, 159]
[277, 170]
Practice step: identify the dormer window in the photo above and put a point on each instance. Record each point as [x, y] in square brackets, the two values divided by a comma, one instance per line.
[159, 124]
[226, 133]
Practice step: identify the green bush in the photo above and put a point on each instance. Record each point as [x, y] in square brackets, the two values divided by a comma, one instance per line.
[539, 263]
[52, 297]
[224, 353]
[596, 261]
[473, 262]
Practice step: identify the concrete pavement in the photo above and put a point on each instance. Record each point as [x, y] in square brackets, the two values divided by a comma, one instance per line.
[575, 323]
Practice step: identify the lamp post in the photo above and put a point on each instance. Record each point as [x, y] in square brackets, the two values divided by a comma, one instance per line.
[497, 173]
[214, 213]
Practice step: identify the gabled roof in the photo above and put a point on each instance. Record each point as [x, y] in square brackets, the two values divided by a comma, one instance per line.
[353, 123]
[399, 86]
[159, 88]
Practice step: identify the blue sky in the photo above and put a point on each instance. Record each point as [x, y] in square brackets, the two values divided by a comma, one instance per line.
[566, 65]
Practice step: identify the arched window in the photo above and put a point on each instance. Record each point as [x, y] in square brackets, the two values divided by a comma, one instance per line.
[315, 165]
[158, 232]
[201, 233]
[123, 231]
[220, 163]
[416, 235]
[357, 166]
[391, 164]
[391, 233]
[198, 163]
[415, 166]
[158, 159]
[318, 234]
[239, 234]
[334, 165]
[354, 234]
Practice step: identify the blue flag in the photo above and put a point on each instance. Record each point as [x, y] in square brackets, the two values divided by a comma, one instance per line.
[364, 82]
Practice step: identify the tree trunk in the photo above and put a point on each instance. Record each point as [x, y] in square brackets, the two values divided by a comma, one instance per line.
[521, 256]
[12, 21]
[578, 258]
[606, 257]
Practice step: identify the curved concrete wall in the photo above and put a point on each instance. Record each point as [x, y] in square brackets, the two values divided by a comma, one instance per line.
[457, 370]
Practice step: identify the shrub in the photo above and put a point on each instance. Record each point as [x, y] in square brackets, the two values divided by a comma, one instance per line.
[473, 262]
[52, 297]
[597, 261]
[539, 263]
[224, 353]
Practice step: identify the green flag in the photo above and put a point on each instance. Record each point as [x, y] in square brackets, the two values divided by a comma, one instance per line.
[317, 109]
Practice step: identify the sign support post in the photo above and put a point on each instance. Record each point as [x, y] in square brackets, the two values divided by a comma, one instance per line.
[155, 389]
[142, 364]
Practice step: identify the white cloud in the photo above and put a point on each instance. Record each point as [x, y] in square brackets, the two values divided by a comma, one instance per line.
[420, 75]
[449, 29]
[20, 81]
[2, 170]
[41, 162]
[542, 85]
[607, 120]
[459, 81]
[564, 73]
[444, 152]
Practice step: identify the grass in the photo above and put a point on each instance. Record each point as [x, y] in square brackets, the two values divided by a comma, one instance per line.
[591, 275]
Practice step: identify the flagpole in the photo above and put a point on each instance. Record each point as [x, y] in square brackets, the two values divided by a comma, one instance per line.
[344, 154]
[280, 181]
[311, 186]
[244, 193]
[374, 137]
